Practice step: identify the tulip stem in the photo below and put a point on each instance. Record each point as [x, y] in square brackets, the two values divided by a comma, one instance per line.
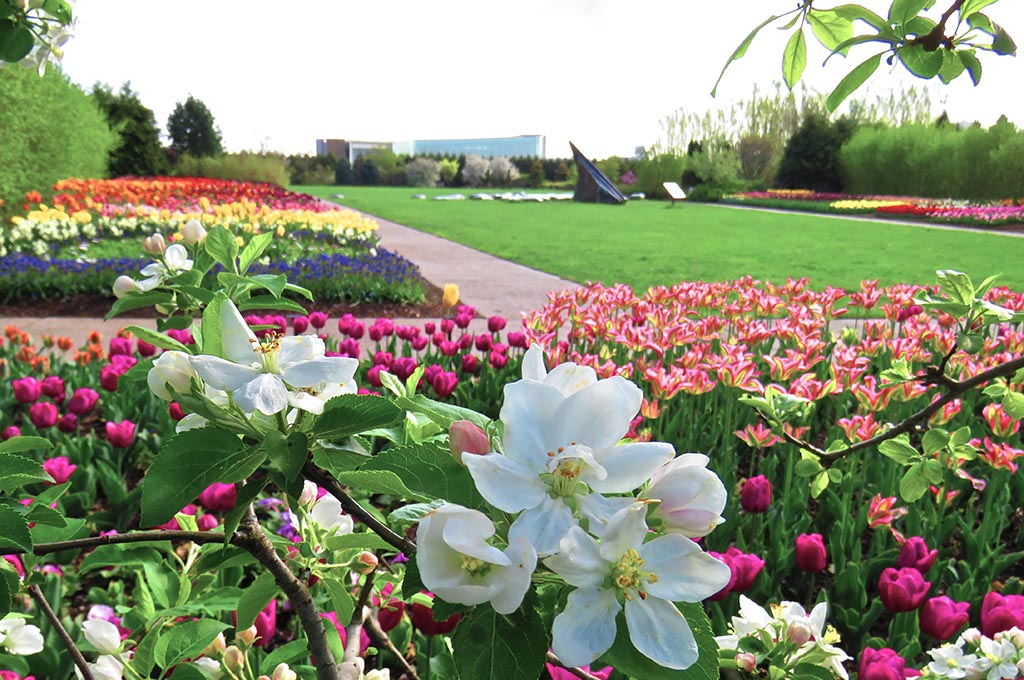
[76, 654]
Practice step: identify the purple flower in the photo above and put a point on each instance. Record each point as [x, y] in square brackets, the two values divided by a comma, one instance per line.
[881, 664]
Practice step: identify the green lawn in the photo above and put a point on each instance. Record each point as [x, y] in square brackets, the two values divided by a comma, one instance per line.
[646, 243]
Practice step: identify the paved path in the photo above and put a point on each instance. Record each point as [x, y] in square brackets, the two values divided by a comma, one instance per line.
[494, 286]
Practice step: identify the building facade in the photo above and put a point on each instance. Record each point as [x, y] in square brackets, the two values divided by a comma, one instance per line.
[526, 146]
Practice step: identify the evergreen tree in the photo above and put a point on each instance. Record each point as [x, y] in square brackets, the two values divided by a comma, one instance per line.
[368, 173]
[138, 150]
[343, 173]
[811, 158]
[192, 130]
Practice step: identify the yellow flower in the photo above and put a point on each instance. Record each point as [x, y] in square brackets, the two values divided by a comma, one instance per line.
[450, 298]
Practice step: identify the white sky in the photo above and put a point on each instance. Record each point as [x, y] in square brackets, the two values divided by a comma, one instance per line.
[604, 73]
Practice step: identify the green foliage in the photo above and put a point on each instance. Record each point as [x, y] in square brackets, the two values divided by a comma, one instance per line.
[652, 172]
[716, 163]
[368, 172]
[247, 166]
[192, 130]
[311, 169]
[449, 170]
[936, 161]
[139, 151]
[490, 645]
[811, 157]
[343, 174]
[49, 130]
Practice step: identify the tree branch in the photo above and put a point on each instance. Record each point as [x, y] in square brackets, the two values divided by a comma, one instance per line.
[76, 654]
[936, 38]
[251, 537]
[134, 537]
[355, 625]
[381, 639]
[578, 672]
[955, 389]
[326, 480]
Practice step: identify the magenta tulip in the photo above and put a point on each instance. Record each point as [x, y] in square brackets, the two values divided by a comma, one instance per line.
[120, 346]
[68, 423]
[810, 553]
[941, 617]
[219, 497]
[881, 664]
[83, 400]
[10, 431]
[317, 320]
[745, 569]
[756, 494]
[43, 414]
[144, 348]
[121, 434]
[60, 468]
[1001, 612]
[266, 624]
[902, 590]
[915, 553]
[27, 390]
[53, 387]
[444, 383]
[496, 323]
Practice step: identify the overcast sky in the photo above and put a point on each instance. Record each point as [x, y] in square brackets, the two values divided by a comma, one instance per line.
[604, 73]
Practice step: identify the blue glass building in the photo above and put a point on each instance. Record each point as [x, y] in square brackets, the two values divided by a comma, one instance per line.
[528, 146]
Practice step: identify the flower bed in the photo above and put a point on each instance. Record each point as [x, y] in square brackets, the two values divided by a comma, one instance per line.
[929, 210]
[75, 246]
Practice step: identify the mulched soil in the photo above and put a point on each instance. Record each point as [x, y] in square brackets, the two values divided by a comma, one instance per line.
[93, 306]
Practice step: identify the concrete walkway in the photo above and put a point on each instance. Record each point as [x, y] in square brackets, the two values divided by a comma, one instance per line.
[494, 286]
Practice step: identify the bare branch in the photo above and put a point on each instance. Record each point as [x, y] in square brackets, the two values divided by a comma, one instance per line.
[326, 480]
[76, 654]
[156, 535]
[936, 38]
[381, 639]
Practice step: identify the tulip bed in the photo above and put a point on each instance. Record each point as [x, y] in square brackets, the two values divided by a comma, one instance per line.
[90, 232]
[1010, 212]
[877, 565]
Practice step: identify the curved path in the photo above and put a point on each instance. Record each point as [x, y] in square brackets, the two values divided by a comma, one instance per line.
[494, 286]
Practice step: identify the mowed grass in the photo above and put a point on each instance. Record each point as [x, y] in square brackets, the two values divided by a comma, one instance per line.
[645, 243]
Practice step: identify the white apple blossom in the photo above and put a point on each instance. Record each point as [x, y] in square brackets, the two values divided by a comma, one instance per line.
[691, 497]
[171, 369]
[996, 659]
[107, 667]
[458, 564]
[950, 661]
[193, 232]
[102, 635]
[649, 577]
[18, 637]
[269, 376]
[210, 668]
[283, 672]
[562, 451]
[327, 514]
[125, 286]
[175, 260]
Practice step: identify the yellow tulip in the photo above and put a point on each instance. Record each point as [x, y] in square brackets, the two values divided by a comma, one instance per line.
[450, 298]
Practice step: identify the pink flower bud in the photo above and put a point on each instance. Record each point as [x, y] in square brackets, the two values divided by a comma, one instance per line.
[915, 553]
[174, 409]
[60, 468]
[234, 659]
[756, 495]
[746, 661]
[43, 414]
[465, 437]
[247, 636]
[798, 632]
[365, 563]
[810, 553]
[217, 647]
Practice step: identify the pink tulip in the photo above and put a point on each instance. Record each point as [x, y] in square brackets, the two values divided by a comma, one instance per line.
[444, 383]
[43, 414]
[60, 468]
[53, 387]
[881, 664]
[915, 553]
[756, 495]
[317, 320]
[10, 431]
[144, 348]
[300, 324]
[1001, 612]
[122, 434]
[68, 423]
[810, 553]
[83, 400]
[219, 497]
[496, 323]
[27, 390]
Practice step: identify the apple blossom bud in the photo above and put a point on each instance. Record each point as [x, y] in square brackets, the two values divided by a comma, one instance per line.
[155, 244]
[1016, 636]
[124, 286]
[282, 672]
[465, 437]
[365, 563]
[263, 677]
[798, 632]
[193, 232]
[210, 668]
[746, 661]
[217, 647]
[308, 494]
[234, 658]
[248, 636]
[971, 636]
[103, 636]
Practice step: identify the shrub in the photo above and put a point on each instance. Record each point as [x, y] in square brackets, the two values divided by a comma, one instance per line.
[245, 166]
[138, 151]
[449, 170]
[757, 157]
[502, 172]
[716, 163]
[343, 174]
[652, 172]
[311, 169]
[368, 172]
[706, 193]
[49, 129]
[474, 172]
[192, 130]
[811, 157]
[422, 172]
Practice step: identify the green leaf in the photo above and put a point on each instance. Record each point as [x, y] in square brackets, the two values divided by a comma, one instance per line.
[920, 62]
[1013, 405]
[42, 514]
[934, 440]
[412, 583]
[253, 249]
[274, 283]
[150, 299]
[375, 481]
[410, 514]
[289, 654]
[794, 58]
[341, 599]
[14, 533]
[222, 246]
[287, 454]
[157, 339]
[830, 27]
[952, 66]
[189, 671]
[213, 328]
[919, 26]
[819, 484]
[626, 659]
[914, 483]
[899, 450]
[364, 540]
[971, 6]
[246, 494]
[852, 81]
[1003, 43]
[15, 42]
[190, 462]
[6, 591]
[972, 65]
[17, 471]
[442, 414]
[186, 640]
[351, 414]
[254, 598]
[430, 471]
[489, 645]
[807, 467]
[106, 556]
[741, 49]
[857, 12]
[25, 443]
[969, 342]
[270, 302]
[956, 285]
[902, 11]
[933, 471]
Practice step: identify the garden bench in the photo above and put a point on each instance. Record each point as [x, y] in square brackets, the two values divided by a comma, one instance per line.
[675, 192]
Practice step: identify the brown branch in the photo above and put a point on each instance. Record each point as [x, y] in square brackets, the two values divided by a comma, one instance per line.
[381, 639]
[251, 537]
[955, 389]
[134, 537]
[76, 654]
[578, 672]
[359, 613]
[352, 507]
[937, 38]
